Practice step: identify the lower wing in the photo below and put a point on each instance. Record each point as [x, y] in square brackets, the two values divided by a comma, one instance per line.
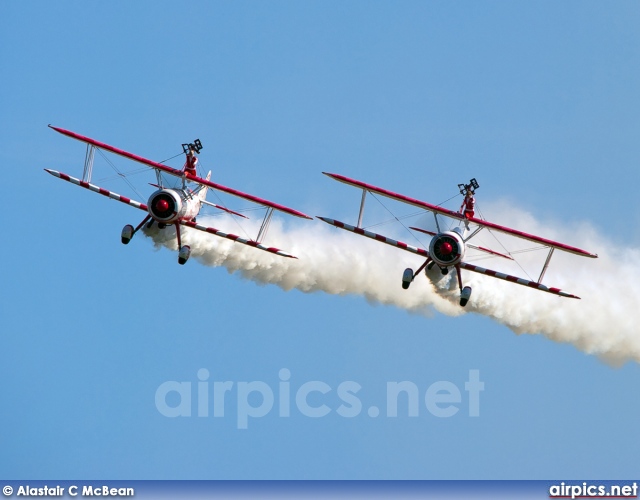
[515, 279]
[236, 238]
[97, 189]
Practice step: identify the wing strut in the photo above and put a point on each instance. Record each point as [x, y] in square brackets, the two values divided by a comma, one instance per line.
[546, 265]
[361, 213]
[476, 231]
[159, 178]
[265, 225]
[88, 163]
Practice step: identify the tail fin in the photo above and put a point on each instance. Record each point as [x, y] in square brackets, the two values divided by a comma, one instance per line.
[202, 194]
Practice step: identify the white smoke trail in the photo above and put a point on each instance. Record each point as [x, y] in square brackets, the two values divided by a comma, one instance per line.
[337, 262]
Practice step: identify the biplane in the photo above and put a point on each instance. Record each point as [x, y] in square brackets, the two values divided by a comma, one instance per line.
[447, 247]
[175, 206]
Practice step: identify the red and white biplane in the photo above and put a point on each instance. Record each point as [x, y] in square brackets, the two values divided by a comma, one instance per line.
[177, 206]
[447, 247]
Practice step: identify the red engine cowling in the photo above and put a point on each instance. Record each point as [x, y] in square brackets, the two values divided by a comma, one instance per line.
[165, 205]
[172, 205]
[447, 249]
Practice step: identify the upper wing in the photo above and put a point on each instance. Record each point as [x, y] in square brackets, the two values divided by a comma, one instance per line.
[450, 213]
[180, 173]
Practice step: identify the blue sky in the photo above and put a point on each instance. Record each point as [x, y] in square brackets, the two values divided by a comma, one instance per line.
[536, 100]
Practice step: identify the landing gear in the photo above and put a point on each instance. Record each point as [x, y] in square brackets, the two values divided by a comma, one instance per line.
[184, 254]
[430, 266]
[445, 270]
[128, 231]
[465, 295]
[127, 234]
[407, 278]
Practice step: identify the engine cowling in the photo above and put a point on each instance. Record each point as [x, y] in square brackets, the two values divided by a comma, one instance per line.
[169, 205]
[447, 249]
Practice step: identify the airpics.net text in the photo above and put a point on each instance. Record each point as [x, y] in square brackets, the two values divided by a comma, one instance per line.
[256, 399]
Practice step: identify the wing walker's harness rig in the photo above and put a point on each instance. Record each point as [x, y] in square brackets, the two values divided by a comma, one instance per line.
[468, 206]
[472, 186]
[191, 149]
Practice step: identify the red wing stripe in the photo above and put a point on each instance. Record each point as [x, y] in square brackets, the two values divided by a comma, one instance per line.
[97, 189]
[430, 233]
[514, 279]
[456, 215]
[219, 207]
[246, 196]
[375, 236]
[488, 250]
[180, 173]
[236, 238]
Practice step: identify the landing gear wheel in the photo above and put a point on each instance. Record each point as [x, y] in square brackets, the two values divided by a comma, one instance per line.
[445, 270]
[127, 234]
[184, 254]
[407, 277]
[465, 295]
